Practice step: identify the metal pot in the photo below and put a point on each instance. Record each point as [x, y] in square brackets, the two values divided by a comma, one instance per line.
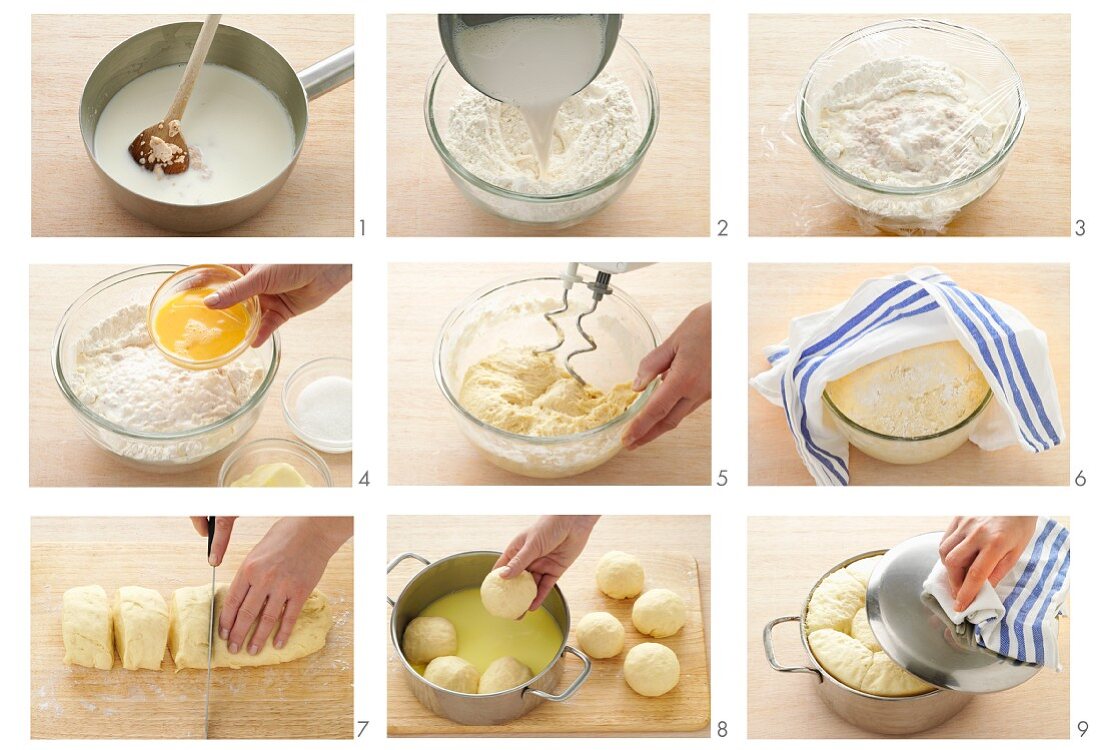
[466, 570]
[171, 44]
[907, 715]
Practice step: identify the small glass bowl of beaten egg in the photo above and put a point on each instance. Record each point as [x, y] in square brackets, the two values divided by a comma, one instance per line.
[274, 462]
[193, 335]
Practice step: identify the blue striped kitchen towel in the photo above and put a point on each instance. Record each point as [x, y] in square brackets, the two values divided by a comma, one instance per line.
[904, 311]
[1017, 617]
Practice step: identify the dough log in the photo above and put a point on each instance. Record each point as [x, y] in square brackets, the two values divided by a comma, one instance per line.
[190, 623]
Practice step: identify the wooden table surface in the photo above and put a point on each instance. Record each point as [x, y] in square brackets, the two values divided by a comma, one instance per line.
[68, 198]
[425, 444]
[787, 195]
[786, 557]
[310, 697]
[61, 455]
[670, 195]
[779, 293]
[675, 551]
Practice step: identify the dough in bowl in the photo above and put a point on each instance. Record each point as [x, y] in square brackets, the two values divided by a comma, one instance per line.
[600, 635]
[427, 638]
[659, 613]
[141, 627]
[509, 598]
[504, 673]
[452, 673]
[620, 575]
[86, 627]
[651, 669]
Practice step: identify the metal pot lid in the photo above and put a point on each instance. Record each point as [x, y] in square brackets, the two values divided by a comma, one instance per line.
[913, 635]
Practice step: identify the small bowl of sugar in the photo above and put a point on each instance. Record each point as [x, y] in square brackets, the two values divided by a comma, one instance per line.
[317, 404]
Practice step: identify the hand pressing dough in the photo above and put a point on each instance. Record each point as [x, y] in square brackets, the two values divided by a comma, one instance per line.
[452, 673]
[504, 673]
[659, 613]
[619, 575]
[651, 669]
[140, 619]
[190, 623]
[509, 598]
[86, 627]
[600, 635]
[426, 638]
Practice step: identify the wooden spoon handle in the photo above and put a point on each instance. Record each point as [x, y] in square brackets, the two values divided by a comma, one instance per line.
[194, 66]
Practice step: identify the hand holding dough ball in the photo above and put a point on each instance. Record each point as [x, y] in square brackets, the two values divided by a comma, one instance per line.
[504, 673]
[620, 576]
[452, 673]
[651, 669]
[509, 598]
[600, 635]
[427, 638]
[86, 627]
[140, 619]
[659, 613]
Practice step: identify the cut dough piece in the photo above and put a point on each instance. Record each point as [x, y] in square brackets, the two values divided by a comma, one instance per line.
[509, 598]
[835, 602]
[843, 656]
[140, 619]
[427, 638]
[887, 679]
[503, 674]
[86, 627]
[861, 631]
[190, 623]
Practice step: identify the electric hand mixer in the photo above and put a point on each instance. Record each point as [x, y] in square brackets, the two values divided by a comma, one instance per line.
[600, 288]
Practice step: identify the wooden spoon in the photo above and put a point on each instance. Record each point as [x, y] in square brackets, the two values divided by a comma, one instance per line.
[162, 145]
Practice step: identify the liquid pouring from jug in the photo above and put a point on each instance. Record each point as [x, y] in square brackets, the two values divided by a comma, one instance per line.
[532, 61]
[600, 288]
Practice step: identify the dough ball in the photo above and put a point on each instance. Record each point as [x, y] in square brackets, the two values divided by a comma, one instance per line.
[508, 598]
[659, 613]
[600, 635]
[620, 576]
[861, 631]
[651, 669]
[504, 674]
[842, 656]
[86, 627]
[140, 619]
[861, 569]
[886, 678]
[428, 637]
[835, 602]
[452, 673]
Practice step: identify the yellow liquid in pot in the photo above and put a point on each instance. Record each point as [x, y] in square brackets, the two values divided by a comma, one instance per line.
[482, 638]
[186, 326]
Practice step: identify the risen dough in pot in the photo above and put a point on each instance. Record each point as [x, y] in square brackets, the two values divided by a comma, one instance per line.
[86, 627]
[452, 673]
[600, 635]
[504, 673]
[427, 638]
[509, 598]
[651, 669]
[659, 613]
[620, 575]
[141, 627]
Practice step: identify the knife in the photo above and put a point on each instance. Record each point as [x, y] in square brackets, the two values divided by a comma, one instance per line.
[210, 635]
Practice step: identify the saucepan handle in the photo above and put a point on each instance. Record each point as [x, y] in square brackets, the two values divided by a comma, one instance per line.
[568, 692]
[322, 77]
[769, 651]
[401, 558]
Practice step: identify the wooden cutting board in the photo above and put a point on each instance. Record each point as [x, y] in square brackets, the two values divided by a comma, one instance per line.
[786, 556]
[670, 194]
[778, 293]
[425, 444]
[311, 697]
[62, 455]
[604, 704]
[787, 195]
[68, 198]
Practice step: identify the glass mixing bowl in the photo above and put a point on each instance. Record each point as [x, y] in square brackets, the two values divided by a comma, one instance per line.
[985, 65]
[508, 314]
[250, 456]
[161, 452]
[544, 211]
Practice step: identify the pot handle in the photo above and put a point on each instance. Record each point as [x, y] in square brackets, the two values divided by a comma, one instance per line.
[769, 650]
[401, 558]
[322, 77]
[568, 692]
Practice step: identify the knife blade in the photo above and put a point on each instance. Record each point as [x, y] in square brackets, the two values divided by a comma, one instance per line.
[210, 634]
